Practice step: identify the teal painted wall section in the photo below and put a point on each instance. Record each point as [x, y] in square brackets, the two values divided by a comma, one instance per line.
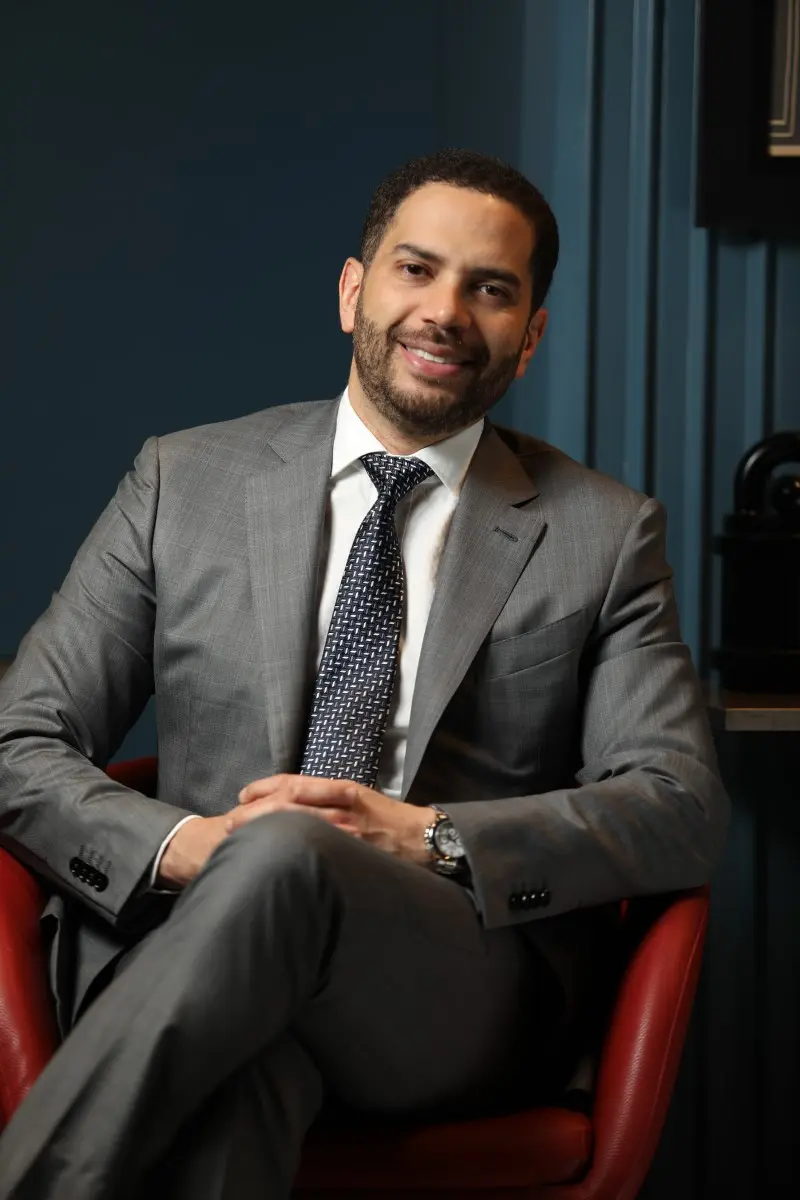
[671, 349]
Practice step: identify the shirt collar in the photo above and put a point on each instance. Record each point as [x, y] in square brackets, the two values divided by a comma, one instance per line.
[448, 459]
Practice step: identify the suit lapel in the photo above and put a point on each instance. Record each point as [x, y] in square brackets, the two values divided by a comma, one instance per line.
[286, 504]
[492, 537]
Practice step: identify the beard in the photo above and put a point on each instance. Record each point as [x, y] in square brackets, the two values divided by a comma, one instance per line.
[432, 410]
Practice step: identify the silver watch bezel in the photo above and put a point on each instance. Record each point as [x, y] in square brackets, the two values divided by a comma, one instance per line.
[445, 864]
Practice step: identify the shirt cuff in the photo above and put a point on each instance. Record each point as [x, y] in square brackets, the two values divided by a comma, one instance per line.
[157, 860]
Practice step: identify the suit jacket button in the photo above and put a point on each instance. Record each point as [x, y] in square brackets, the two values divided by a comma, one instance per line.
[101, 883]
[75, 865]
[514, 901]
[544, 898]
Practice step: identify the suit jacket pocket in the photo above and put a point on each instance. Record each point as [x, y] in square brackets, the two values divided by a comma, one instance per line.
[535, 647]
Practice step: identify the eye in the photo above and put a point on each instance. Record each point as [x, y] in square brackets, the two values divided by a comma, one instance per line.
[493, 291]
[412, 269]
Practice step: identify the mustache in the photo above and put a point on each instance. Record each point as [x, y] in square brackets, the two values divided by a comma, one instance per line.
[436, 337]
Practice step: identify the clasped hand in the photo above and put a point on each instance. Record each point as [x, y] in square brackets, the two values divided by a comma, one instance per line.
[390, 825]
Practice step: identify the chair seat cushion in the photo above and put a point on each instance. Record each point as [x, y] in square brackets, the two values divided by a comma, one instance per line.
[540, 1146]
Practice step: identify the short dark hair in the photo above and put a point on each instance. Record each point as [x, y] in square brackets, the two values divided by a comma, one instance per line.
[479, 173]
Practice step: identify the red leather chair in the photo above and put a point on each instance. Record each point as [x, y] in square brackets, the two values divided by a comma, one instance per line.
[551, 1152]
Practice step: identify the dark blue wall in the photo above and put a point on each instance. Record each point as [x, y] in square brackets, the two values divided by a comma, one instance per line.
[181, 185]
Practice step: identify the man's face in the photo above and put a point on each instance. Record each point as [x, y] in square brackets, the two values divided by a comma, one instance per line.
[441, 319]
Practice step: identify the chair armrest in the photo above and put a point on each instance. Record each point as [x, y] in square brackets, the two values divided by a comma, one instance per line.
[28, 1030]
[28, 1033]
[141, 774]
[644, 1041]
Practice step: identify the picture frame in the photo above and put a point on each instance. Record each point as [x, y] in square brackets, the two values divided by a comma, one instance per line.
[741, 184]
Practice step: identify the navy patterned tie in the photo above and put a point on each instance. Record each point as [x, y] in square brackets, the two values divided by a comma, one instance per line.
[356, 675]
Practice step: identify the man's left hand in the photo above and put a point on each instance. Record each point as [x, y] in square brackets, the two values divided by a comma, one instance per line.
[391, 825]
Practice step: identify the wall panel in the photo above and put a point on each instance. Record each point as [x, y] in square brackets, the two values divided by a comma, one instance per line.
[671, 350]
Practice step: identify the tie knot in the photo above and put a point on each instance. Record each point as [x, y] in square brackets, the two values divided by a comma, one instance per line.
[394, 477]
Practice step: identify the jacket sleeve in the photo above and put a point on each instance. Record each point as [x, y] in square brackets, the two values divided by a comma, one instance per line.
[648, 812]
[81, 678]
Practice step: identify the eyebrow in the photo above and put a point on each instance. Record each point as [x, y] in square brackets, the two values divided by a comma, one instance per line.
[499, 273]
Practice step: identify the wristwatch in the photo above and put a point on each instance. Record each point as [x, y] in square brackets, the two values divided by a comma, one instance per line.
[442, 841]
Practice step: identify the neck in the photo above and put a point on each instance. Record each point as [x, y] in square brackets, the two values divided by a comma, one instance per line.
[390, 437]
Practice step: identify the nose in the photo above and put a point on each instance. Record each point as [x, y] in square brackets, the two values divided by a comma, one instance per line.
[445, 304]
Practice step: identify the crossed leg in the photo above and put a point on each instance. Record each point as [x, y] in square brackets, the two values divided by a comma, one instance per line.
[300, 962]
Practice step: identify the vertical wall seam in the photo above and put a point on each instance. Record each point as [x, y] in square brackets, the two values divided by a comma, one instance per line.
[651, 330]
[693, 581]
[571, 63]
[770, 337]
[707, 476]
[642, 208]
[596, 118]
[757, 334]
[695, 439]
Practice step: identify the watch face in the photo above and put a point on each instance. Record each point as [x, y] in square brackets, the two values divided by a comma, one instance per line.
[447, 841]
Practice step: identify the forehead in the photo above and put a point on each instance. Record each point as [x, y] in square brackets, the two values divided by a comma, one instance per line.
[463, 226]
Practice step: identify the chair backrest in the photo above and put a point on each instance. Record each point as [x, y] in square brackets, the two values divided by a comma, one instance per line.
[28, 1033]
[141, 774]
[643, 1042]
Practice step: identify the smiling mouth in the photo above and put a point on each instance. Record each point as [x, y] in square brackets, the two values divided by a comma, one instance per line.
[435, 368]
[427, 364]
[428, 356]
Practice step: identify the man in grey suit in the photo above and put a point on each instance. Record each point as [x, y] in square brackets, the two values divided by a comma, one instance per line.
[412, 748]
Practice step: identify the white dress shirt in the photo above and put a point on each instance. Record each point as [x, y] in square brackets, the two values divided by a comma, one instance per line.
[423, 520]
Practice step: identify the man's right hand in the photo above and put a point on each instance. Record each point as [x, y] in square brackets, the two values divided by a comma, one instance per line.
[190, 849]
[195, 841]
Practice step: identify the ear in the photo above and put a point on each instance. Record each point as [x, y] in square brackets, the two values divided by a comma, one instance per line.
[349, 288]
[533, 335]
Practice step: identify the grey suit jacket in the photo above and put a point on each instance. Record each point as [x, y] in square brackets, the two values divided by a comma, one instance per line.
[556, 710]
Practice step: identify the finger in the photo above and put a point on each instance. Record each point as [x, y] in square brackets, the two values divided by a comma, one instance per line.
[260, 788]
[258, 807]
[303, 789]
[336, 793]
[333, 816]
[244, 814]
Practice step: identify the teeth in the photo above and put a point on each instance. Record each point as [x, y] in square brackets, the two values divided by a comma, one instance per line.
[430, 357]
